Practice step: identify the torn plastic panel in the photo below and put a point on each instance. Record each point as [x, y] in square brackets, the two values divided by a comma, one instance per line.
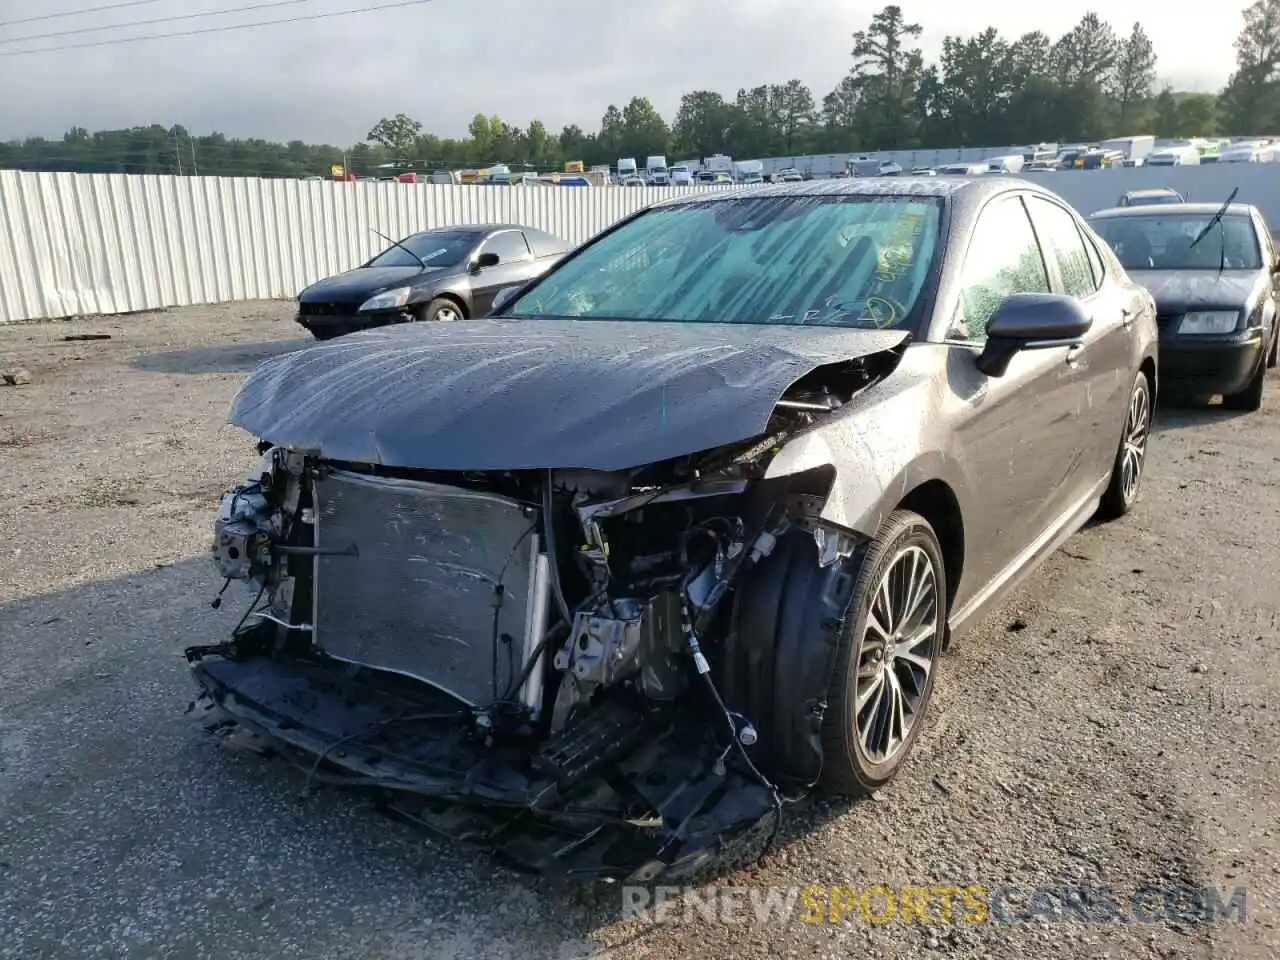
[631, 793]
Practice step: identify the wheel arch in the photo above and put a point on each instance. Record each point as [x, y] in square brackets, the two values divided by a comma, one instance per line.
[1148, 367]
[789, 617]
[860, 496]
[937, 502]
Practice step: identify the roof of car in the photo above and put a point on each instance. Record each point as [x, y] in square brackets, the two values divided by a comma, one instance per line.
[476, 228]
[866, 187]
[1169, 209]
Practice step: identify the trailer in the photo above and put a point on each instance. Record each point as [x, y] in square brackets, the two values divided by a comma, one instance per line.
[962, 169]
[1174, 155]
[1012, 163]
[1133, 148]
[1039, 155]
[863, 166]
[749, 171]
[715, 168]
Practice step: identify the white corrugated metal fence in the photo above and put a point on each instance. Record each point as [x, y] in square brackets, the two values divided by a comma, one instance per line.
[75, 244]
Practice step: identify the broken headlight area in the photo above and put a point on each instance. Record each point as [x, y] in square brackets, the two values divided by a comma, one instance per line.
[604, 674]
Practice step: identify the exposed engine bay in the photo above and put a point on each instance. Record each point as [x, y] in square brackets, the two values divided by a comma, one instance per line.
[577, 668]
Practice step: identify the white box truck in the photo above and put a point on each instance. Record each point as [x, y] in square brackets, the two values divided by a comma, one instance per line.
[656, 172]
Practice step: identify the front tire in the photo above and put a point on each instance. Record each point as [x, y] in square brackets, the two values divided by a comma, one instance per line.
[1131, 456]
[887, 661]
[441, 310]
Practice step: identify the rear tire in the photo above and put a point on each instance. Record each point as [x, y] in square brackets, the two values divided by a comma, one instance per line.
[1131, 456]
[1250, 398]
[888, 657]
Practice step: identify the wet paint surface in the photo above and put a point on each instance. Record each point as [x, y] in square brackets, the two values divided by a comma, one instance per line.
[506, 394]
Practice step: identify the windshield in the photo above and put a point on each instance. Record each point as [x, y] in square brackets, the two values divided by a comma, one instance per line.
[841, 261]
[1154, 242]
[438, 249]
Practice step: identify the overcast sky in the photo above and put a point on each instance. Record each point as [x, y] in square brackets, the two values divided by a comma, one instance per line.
[562, 61]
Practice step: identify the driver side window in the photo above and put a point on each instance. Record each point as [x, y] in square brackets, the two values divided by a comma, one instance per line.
[1003, 258]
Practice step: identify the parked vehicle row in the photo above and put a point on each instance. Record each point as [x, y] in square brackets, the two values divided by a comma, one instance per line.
[683, 525]
[1130, 151]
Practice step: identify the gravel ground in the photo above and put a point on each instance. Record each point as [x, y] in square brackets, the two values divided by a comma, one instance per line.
[1113, 724]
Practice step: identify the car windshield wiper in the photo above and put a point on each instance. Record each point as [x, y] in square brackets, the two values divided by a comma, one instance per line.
[397, 243]
[1215, 220]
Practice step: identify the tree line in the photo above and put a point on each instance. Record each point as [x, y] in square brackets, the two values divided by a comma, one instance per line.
[983, 90]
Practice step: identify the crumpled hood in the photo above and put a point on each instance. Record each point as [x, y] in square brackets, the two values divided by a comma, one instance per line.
[363, 282]
[510, 393]
[1180, 290]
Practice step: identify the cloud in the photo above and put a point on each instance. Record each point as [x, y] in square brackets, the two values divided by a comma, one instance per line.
[561, 61]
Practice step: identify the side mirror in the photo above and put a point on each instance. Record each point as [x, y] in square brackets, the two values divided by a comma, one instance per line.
[503, 297]
[484, 260]
[1031, 321]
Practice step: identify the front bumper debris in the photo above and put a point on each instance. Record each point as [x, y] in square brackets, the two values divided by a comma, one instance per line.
[632, 792]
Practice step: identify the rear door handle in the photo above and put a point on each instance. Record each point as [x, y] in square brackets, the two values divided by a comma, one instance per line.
[1126, 316]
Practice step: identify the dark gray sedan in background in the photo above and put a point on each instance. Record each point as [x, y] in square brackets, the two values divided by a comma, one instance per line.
[436, 275]
[1212, 271]
[728, 478]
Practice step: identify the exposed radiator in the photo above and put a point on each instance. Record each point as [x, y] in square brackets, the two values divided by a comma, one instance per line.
[422, 597]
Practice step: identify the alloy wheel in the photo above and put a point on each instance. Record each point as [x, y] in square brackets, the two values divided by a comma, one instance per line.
[896, 654]
[1136, 430]
[446, 315]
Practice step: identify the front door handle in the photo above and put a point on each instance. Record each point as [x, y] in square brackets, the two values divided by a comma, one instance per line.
[1126, 316]
[1073, 354]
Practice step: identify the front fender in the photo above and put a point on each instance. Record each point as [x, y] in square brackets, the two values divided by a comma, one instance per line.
[456, 286]
[880, 447]
[868, 485]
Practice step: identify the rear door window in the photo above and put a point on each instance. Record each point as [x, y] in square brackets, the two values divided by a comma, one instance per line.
[1062, 241]
[1095, 258]
[509, 245]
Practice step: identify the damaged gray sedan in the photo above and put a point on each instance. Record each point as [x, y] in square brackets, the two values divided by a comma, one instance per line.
[678, 535]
